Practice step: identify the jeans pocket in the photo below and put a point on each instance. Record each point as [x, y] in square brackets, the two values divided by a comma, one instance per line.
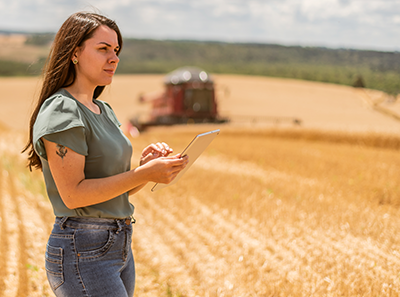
[54, 267]
[93, 243]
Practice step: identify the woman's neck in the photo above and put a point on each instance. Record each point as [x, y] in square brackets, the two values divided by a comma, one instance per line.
[84, 96]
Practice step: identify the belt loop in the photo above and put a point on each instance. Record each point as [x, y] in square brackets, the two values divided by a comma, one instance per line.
[62, 222]
[119, 224]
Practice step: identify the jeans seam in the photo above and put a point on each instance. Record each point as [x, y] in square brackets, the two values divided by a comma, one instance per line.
[55, 284]
[67, 236]
[54, 261]
[77, 266]
[124, 255]
[53, 273]
[86, 226]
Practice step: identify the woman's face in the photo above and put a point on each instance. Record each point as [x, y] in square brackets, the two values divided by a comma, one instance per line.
[97, 58]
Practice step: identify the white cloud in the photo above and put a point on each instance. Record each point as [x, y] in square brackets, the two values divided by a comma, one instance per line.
[315, 22]
[396, 19]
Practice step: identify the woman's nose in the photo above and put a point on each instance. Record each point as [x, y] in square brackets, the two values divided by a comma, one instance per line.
[114, 59]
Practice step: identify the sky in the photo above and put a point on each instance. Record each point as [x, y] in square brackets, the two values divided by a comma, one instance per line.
[358, 24]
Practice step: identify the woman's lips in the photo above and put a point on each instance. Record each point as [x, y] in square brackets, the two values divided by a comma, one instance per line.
[110, 71]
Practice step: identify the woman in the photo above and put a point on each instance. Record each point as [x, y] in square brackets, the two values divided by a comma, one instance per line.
[85, 158]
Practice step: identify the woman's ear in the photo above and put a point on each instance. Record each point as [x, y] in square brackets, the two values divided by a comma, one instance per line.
[75, 56]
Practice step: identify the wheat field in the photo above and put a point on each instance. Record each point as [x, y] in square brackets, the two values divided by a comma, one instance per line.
[270, 209]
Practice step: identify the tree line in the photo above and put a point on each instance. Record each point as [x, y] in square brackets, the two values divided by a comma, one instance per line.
[363, 68]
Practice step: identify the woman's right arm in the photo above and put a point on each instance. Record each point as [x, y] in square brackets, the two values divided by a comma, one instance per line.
[67, 169]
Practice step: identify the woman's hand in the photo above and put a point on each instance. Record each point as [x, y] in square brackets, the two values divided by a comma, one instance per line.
[165, 169]
[154, 151]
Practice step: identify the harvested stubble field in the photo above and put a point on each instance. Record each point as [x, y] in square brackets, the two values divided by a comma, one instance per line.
[266, 211]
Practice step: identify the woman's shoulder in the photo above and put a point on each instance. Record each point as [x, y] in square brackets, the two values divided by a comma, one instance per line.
[59, 120]
[61, 101]
[59, 112]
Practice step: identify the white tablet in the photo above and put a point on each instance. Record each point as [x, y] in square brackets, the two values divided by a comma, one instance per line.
[193, 150]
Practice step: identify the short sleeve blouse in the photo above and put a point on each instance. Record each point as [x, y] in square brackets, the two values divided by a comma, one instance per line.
[64, 120]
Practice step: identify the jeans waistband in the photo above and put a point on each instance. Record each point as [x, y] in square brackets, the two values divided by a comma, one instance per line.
[93, 223]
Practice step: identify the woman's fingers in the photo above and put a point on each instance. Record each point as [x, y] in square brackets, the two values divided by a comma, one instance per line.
[179, 165]
[150, 149]
[147, 158]
[167, 148]
[160, 148]
[164, 148]
[157, 149]
[167, 168]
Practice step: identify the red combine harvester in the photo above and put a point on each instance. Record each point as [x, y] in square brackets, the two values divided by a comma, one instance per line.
[188, 98]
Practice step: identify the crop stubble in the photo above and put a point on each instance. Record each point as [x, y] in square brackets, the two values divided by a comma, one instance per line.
[280, 221]
[270, 212]
[24, 228]
[260, 225]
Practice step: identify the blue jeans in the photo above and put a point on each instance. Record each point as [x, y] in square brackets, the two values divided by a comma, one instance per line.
[90, 257]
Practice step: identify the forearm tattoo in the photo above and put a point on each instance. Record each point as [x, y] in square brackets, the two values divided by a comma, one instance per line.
[62, 151]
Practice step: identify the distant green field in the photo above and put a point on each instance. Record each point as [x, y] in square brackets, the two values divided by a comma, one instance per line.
[373, 69]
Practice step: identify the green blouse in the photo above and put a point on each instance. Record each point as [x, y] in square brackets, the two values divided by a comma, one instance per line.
[64, 120]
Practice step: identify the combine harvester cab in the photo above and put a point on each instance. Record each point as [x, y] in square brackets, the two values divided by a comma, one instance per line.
[188, 98]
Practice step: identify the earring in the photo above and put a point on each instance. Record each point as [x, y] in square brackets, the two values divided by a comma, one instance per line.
[75, 61]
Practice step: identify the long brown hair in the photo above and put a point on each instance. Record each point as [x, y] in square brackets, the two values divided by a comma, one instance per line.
[59, 71]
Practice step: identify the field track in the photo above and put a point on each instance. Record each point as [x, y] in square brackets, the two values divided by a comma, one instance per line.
[25, 223]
